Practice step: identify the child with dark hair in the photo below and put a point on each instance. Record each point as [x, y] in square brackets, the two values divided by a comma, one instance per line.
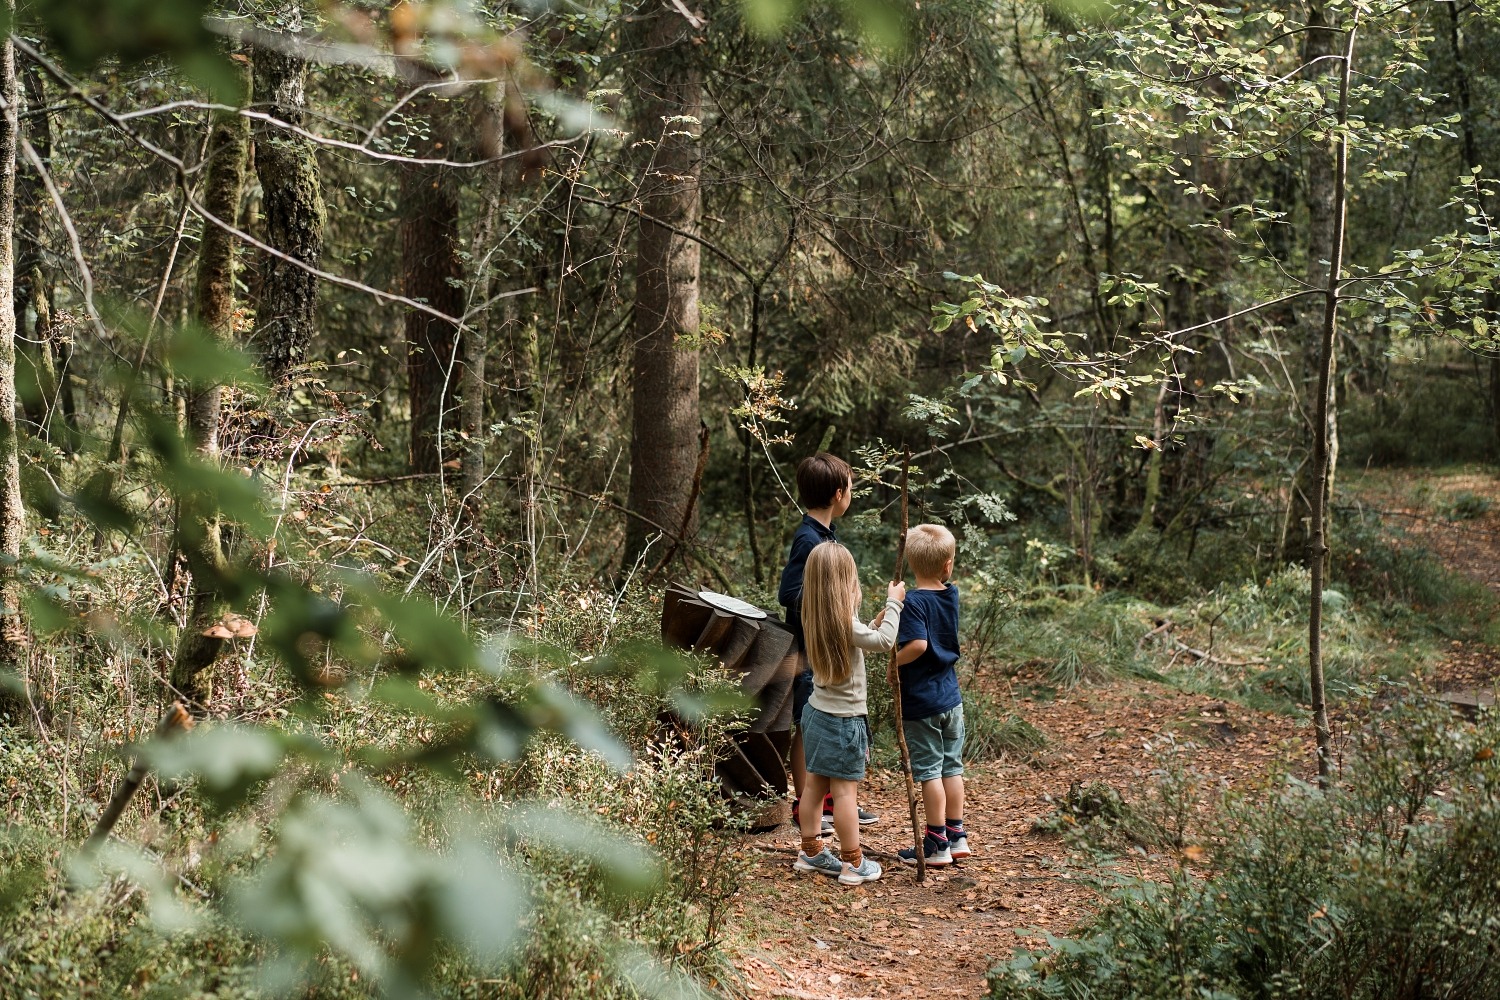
[825, 485]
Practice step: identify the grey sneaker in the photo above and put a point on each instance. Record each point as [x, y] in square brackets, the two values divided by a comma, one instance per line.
[868, 871]
[824, 863]
[958, 847]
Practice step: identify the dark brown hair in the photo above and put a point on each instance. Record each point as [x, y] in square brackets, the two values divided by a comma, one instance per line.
[819, 477]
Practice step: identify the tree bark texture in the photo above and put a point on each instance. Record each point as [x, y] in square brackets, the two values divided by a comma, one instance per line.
[434, 274]
[199, 531]
[1319, 196]
[40, 371]
[666, 88]
[293, 211]
[14, 637]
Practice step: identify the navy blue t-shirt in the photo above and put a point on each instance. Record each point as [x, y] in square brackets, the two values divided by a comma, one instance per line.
[810, 534]
[929, 684]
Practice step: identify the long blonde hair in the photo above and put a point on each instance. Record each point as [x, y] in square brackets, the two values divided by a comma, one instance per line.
[830, 600]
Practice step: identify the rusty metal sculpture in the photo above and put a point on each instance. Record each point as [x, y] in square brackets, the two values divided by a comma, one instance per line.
[758, 650]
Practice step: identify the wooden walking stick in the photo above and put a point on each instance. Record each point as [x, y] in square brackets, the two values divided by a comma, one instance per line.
[894, 673]
[176, 719]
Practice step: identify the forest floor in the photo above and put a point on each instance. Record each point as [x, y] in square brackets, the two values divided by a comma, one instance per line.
[809, 937]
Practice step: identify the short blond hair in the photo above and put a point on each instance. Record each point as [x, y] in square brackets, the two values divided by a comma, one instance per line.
[928, 549]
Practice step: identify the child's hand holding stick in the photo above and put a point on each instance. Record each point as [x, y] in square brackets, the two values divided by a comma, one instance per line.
[894, 676]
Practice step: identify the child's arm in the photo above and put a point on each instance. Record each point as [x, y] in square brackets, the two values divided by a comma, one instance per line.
[881, 638]
[909, 651]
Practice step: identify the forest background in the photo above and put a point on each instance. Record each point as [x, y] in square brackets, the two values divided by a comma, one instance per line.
[372, 367]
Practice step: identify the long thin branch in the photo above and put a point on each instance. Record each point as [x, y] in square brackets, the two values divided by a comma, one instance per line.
[362, 148]
[75, 244]
[632, 210]
[181, 168]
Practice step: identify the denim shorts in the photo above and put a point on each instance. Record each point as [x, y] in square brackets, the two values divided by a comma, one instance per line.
[936, 744]
[835, 745]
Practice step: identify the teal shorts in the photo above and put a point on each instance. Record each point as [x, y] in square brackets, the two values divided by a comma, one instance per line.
[936, 744]
[835, 745]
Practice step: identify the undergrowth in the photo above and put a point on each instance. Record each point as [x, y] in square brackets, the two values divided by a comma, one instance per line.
[1382, 886]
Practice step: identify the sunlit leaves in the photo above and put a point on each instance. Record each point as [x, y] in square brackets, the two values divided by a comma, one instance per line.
[352, 874]
[884, 23]
[227, 759]
[87, 32]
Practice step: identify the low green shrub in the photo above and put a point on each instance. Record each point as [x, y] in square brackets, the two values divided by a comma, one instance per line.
[1466, 505]
[1387, 885]
[1077, 641]
[991, 733]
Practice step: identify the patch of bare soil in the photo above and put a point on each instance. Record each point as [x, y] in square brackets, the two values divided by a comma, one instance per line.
[810, 937]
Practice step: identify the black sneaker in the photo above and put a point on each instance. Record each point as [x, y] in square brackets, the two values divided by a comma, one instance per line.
[936, 851]
[865, 818]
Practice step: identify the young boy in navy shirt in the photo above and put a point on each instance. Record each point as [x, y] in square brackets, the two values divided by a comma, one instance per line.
[825, 485]
[932, 707]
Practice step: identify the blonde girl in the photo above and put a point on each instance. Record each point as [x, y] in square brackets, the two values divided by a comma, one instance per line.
[834, 735]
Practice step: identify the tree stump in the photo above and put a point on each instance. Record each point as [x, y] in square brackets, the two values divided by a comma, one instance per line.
[757, 649]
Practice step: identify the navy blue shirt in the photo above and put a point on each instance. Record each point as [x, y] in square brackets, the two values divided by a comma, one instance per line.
[929, 684]
[810, 534]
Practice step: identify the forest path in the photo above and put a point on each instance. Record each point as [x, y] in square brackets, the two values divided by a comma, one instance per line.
[1456, 516]
[812, 937]
[805, 937]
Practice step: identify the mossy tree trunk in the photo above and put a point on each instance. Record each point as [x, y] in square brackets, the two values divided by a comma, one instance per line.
[14, 636]
[199, 530]
[667, 91]
[292, 209]
[434, 274]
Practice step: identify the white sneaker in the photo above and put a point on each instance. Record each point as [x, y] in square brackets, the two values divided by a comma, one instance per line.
[868, 871]
[958, 847]
[823, 863]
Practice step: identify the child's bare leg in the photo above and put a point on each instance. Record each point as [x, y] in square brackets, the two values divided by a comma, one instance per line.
[935, 801]
[810, 821]
[845, 812]
[799, 765]
[953, 789]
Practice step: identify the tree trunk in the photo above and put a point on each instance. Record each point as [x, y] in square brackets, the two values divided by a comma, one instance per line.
[292, 207]
[14, 637]
[1472, 160]
[37, 374]
[434, 274]
[1324, 429]
[667, 91]
[1320, 195]
[477, 340]
[199, 531]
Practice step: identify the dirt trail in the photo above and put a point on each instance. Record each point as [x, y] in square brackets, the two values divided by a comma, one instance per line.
[809, 937]
[1428, 509]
